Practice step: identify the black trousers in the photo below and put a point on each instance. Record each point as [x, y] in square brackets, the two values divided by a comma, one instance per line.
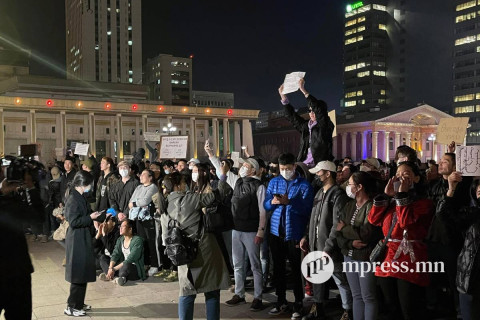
[281, 251]
[146, 230]
[128, 270]
[16, 297]
[403, 299]
[76, 299]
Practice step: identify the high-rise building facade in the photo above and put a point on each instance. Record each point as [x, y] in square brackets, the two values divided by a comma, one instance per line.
[397, 53]
[466, 72]
[104, 40]
[213, 99]
[170, 79]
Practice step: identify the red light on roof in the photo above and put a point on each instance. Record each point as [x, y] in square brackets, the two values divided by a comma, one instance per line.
[49, 103]
[134, 107]
[191, 56]
[18, 101]
[229, 112]
[108, 106]
[160, 108]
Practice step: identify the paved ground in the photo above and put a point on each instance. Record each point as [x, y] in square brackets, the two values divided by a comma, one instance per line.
[152, 299]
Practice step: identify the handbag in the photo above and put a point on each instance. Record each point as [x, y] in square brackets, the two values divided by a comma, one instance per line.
[379, 252]
[61, 231]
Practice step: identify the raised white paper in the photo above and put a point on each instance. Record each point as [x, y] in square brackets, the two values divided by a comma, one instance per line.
[290, 84]
[151, 136]
[235, 156]
[173, 147]
[468, 160]
[81, 149]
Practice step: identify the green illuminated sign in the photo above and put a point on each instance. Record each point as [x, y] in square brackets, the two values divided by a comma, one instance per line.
[354, 6]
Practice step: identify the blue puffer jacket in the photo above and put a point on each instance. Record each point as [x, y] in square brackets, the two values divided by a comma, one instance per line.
[297, 211]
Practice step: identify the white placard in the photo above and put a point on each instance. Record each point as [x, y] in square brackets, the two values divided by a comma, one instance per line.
[332, 116]
[81, 149]
[235, 156]
[468, 160]
[151, 136]
[128, 157]
[290, 84]
[173, 147]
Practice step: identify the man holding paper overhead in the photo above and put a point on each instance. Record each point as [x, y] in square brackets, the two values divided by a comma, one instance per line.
[316, 143]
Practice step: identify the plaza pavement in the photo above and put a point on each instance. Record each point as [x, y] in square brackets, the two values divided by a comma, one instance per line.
[152, 299]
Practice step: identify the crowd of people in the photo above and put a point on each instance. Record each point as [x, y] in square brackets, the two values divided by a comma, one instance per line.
[262, 218]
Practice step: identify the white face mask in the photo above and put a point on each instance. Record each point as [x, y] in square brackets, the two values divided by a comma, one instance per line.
[195, 176]
[191, 167]
[287, 174]
[87, 189]
[123, 173]
[349, 192]
[243, 172]
[167, 171]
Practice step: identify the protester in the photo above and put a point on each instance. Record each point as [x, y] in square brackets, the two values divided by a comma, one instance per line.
[80, 264]
[122, 191]
[316, 142]
[105, 183]
[290, 198]
[107, 235]
[68, 176]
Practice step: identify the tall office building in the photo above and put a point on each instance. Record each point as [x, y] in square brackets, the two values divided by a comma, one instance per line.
[104, 40]
[397, 53]
[466, 74]
[169, 79]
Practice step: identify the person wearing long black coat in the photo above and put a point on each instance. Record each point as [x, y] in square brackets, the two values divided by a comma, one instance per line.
[80, 259]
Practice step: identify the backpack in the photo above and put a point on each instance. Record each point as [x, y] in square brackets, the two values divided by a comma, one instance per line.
[180, 247]
[218, 217]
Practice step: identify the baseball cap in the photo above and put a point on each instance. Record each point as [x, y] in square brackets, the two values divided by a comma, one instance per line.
[324, 165]
[373, 162]
[88, 163]
[250, 161]
[193, 160]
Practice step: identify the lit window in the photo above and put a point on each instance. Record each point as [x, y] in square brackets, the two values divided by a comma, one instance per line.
[130, 80]
[465, 17]
[360, 93]
[361, 65]
[361, 19]
[351, 31]
[382, 92]
[468, 39]
[357, 11]
[379, 73]
[130, 42]
[361, 101]
[117, 10]
[361, 28]
[466, 109]
[109, 33]
[382, 101]
[351, 67]
[379, 7]
[353, 40]
[382, 27]
[158, 81]
[351, 23]
[130, 72]
[350, 94]
[466, 5]
[466, 97]
[350, 103]
[363, 74]
[129, 28]
[477, 108]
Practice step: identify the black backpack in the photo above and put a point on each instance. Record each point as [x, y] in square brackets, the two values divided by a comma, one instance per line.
[180, 247]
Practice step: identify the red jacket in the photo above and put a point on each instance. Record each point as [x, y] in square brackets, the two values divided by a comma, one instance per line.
[415, 216]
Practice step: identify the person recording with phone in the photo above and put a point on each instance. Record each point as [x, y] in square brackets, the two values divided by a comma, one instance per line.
[80, 259]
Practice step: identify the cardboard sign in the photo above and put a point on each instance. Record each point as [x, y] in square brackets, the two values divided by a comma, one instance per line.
[333, 117]
[173, 147]
[468, 160]
[452, 129]
[235, 156]
[151, 136]
[81, 149]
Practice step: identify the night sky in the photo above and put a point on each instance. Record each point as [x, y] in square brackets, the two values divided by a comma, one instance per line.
[244, 47]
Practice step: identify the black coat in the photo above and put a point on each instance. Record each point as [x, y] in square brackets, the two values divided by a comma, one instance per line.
[80, 267]
[321, 141]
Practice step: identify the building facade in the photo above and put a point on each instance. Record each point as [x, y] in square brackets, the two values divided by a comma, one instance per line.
[466, 77]
[213, 99]
[169, 79]
[104, 40]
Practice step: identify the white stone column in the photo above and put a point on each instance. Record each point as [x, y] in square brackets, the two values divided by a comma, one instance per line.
[236, 136]
[144, 143]
[397, 140]
[91, 133]
[137, 135]
[344, 144]
[2, 133]
[375, 144]
[353, 142]
[387, 146]
[216, 138]
[247, 136]
[113, 152]
[33, 127]
[226, 138]
[409, 139]
[193, 138]
[119, 137]
[364, 149]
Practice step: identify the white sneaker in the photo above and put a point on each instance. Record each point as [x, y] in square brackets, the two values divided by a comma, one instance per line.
[102, 277]
[74, 312]
[120, 281]
[152, 271]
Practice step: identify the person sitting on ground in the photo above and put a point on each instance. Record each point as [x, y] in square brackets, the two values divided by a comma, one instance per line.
[107, 235]
[127, 258]
[316, 143]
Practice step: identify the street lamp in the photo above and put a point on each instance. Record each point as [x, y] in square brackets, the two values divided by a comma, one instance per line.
[432, 137]
[169, 129]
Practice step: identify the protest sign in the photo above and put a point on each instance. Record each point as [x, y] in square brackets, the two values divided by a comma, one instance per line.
[151, 136]
[468, 160]
[333, 117]
[81, 149]
[290, 84]
[452, 129]
[235, 156]
[173, 147]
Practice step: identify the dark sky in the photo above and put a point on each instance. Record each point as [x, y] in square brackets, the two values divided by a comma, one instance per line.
[245, 47]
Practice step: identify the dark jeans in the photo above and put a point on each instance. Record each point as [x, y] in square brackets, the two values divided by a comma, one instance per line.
[281, 251]
[402, 298]
[76, 299]
[146, 230]
[16, 296]
[470, 304]
[128, 270]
